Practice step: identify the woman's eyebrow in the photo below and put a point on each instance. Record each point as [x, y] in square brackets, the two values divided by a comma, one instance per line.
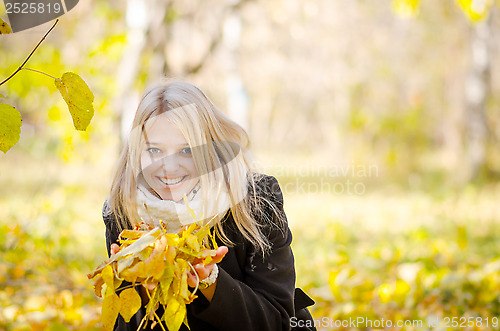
[159, 144]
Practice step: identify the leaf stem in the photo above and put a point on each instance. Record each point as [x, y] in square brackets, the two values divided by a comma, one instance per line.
[29, 56]
[197, 277]
[143, 320]
[125, 287]
[41, 72]
[159, 322]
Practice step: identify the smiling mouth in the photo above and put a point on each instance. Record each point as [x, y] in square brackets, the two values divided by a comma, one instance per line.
[172, 181]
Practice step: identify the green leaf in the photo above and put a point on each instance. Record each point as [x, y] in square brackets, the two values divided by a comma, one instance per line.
[78, 97]
[4, 27]
[10, 127]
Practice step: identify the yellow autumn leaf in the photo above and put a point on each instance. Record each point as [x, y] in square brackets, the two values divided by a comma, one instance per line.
[130, 303]
[405, 8]
[183, 291]
[169, 272]
[209, 257]
[172, 239]
[191, 211]
[171, 253]
[174, 315]
[144, 254]
[140, 244]
[123, 264]
[78, 97]
[385, 292]
[175, 286]
[131, 234]
[110, 309]
[133, 273]
[165, 289]
[402, 288]
[186, 322]
[4, 27]
[155, 257]
[193, 242]
[157, 268]
[108, 276]
[98, 283]
[476, 10]
[10, 127]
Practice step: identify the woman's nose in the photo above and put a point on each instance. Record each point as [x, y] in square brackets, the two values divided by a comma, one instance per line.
[170, 164]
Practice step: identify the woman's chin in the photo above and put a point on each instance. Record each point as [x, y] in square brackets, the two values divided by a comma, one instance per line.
[174, 192]
[176, 195]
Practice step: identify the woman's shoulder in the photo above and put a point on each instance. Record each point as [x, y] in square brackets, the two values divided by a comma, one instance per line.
[259, 177]
[107, 213]
[266, 185]
[267, 200]
[113, 220]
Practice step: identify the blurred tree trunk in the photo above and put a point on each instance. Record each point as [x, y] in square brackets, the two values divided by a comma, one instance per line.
[150, 24]
[137, 26]
[477, 89]
[237, 98]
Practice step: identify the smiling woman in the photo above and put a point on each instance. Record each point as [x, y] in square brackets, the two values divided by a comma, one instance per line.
[185, 156]
[166, 161]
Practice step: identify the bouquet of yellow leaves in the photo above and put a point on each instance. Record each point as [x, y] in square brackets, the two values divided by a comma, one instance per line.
[152, 256]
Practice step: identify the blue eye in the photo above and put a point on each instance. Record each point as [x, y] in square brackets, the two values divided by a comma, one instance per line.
[153, 150]
[186, 150]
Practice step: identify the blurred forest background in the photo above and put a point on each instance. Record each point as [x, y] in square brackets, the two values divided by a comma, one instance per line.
[380, 119]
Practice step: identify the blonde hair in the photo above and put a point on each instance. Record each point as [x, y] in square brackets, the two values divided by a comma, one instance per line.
[224, 166]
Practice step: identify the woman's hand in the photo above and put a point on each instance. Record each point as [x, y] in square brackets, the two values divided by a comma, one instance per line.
[148, 287]
[204, 271]
[114, 249]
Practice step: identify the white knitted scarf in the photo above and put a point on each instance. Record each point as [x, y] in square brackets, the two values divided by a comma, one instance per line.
[176, 215]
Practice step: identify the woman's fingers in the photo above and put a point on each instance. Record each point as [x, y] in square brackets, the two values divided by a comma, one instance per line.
[204, 271]
[220, 253]
[150, 286]
[192, 280]
[114, 249]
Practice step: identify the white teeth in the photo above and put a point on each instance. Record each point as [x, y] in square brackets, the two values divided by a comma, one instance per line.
[172, 181]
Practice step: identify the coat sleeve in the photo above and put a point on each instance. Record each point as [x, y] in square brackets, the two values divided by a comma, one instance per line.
[111, 227]
[112, 234]
[264, 299]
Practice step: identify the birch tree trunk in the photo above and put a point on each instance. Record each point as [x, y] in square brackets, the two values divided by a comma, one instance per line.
[137, 25]
[477, 89]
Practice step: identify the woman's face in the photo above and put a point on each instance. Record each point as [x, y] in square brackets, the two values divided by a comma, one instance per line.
[166, 161]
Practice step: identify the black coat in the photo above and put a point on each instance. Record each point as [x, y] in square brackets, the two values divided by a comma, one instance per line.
[252, 292]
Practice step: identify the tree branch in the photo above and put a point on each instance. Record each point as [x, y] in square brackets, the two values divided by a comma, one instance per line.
[29, 56]
[41, 72]
[215, 41]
